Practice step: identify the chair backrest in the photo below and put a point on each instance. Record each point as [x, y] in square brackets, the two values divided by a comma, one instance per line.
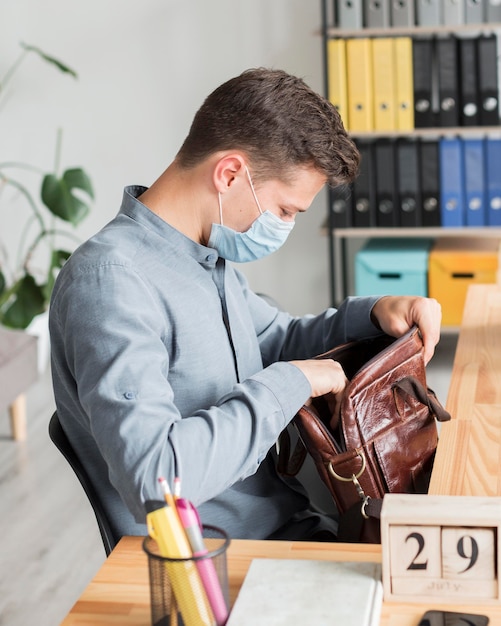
[61, 441]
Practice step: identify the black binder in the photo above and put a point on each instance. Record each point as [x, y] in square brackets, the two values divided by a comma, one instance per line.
[422, 55]
[447, 68]
[363, 189]
[430, 182]
[340, 199]
[386, 200]
[468, 83]
[488, 80]
[408, 184]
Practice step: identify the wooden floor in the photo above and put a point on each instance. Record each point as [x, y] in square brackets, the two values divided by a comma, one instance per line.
[49, 543]
[50, 546]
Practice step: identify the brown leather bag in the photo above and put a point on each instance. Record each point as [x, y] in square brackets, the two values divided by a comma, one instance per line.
[385, 438]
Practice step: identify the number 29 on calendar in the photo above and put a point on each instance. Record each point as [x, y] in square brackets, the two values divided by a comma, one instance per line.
[440, 547]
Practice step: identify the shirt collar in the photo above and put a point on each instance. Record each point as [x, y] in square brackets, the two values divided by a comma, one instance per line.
[136, 210]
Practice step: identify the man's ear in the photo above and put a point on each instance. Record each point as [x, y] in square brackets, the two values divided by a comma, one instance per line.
[227, 170]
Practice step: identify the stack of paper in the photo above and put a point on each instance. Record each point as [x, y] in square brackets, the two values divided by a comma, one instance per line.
[280, 592]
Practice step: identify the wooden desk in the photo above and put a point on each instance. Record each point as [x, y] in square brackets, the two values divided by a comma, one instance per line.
[467, 463]
[469, 451]
[119, 593]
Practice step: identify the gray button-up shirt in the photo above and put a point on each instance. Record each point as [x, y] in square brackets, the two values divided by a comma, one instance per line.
[165, 363]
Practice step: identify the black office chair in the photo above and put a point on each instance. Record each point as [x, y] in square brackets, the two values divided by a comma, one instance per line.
[59, 438]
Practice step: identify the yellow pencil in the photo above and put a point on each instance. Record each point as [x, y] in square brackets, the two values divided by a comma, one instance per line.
[167, 492]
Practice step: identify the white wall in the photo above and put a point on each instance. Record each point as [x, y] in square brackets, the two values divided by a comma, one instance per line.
[144, 69]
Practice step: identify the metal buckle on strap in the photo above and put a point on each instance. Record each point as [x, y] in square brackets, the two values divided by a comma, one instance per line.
[351, 478]
[354, 479]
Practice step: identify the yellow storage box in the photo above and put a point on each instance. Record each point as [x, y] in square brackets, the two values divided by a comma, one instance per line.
[455, 264]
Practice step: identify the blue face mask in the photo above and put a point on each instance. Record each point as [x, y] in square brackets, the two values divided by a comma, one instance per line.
[266, 235]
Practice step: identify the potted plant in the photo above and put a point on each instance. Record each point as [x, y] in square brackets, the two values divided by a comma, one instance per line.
[63, 199]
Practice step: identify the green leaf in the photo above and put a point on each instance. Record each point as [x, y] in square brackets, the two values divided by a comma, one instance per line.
[60, 66]
[28, 301]
[58, 259]
[58, 195]
[3, 283]
[76, 178]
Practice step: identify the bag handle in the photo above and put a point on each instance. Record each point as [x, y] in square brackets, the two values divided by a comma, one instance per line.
[414, 388]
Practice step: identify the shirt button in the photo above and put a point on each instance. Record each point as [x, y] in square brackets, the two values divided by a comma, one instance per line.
[129, 395]
[210, 258]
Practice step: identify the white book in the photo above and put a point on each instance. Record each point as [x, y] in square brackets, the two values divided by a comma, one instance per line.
[292, 592]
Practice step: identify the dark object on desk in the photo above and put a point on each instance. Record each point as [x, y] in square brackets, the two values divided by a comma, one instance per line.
[453, 618]
[62, 443]
[385, 438]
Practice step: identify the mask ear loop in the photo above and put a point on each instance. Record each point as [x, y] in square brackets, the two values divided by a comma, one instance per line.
[253, 190]
[220, 207]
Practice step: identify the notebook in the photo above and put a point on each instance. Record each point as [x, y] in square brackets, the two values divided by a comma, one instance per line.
[283, 592]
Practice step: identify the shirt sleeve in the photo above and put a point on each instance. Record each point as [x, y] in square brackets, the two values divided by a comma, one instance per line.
[108, 333]
[285, 337]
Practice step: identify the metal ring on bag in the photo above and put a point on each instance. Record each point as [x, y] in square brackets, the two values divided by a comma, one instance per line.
[353, 476]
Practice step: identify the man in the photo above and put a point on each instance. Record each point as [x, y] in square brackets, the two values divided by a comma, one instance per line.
[165, 363]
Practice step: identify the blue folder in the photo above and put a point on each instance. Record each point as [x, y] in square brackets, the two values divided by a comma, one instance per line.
[493, 180]
[474, 182]
[452, 200]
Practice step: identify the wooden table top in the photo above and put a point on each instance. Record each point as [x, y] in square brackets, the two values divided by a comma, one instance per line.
[467, 463]
[469, 451]
[119, 593]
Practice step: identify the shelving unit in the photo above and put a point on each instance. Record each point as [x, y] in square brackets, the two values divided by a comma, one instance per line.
[481, 28]
[338, 237]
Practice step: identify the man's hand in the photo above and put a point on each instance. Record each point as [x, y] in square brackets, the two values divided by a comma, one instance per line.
[395, 315]
[324, 376]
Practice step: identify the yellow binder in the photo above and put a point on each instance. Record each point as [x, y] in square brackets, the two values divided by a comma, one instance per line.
[359, 81]
[404, 83]
[336, 68]
[383, 71]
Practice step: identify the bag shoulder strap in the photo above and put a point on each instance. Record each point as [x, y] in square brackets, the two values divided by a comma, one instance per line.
[359, 520]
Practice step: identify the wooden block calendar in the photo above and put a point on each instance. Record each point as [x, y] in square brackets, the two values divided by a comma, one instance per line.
[441, 548]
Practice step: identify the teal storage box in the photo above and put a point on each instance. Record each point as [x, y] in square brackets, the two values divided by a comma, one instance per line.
[392, 266]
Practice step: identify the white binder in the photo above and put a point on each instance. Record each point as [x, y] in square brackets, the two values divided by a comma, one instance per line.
[492, 11]
[454, 12]
[474, 11]
[377, 13]
[403, 13]
[428, 12]
[349, 14]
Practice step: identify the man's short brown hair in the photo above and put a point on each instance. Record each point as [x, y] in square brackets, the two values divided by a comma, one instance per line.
[278, 121]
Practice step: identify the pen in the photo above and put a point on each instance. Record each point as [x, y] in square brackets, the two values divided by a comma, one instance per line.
[177, 496]
[167, 492]
[191, 523]
[165, 528]
[177, 487]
